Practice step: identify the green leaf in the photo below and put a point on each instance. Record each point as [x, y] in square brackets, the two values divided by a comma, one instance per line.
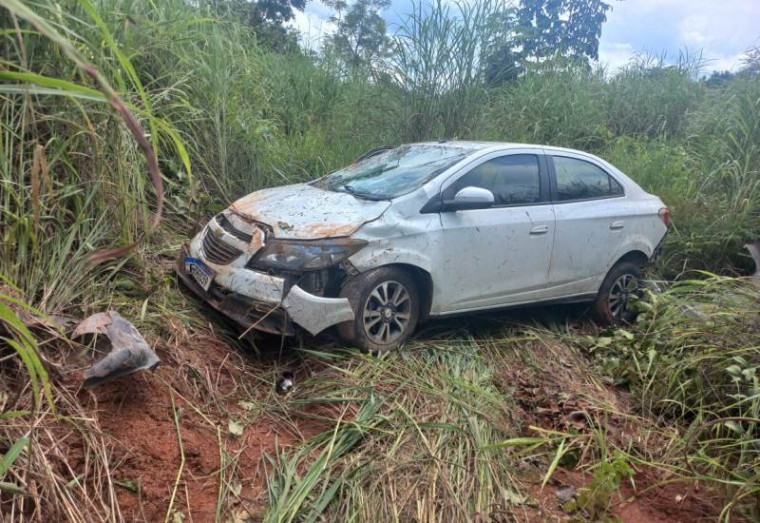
[12, 454]
[515, 442]
[626, 334]
[555, 463]
[45, 91]
[734, 370]
[127, 484]
[14, 414]
[12, 489]
[733, 426]
[603, 342]
[56, 85]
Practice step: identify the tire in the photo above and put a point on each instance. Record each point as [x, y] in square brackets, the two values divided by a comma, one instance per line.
[386, 305]
[611, 304]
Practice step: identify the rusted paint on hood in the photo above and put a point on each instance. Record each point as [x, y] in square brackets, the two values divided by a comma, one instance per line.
[303, 212]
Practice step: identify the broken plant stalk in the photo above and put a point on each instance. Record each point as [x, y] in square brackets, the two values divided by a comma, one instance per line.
[20, 9]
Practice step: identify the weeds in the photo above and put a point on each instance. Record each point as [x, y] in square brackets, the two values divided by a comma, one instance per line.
[692, 360]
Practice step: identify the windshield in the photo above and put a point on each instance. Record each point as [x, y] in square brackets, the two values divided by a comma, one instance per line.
[393, 173]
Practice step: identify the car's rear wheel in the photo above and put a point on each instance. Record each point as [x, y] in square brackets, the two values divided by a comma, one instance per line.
[386, 308]
[621, 286]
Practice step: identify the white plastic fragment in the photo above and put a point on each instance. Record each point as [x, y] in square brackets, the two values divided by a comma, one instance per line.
[130, 352]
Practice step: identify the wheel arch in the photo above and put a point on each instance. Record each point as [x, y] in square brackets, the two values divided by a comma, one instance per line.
[424, 281]
[635, 256]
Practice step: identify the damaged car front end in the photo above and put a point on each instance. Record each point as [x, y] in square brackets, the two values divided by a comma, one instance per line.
[282, 273]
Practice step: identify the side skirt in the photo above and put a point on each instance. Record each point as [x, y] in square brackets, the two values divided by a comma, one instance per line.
[578, 298]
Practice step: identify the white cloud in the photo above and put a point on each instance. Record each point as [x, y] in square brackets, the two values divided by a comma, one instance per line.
[717, 62]
[314, 24]
[615, 55]
[721, 30]
[694, 30]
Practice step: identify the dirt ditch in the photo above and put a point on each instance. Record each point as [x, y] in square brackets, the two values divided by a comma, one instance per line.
[174, 447]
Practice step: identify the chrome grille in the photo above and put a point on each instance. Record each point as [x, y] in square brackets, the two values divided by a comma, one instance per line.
[225, 224]
[217, 251]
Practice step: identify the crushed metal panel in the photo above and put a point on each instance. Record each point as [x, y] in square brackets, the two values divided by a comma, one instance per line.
[258, 286]
[129, 353]
[315, 313]
[304, 212]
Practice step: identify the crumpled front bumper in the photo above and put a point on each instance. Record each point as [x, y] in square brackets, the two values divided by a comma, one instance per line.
[263, 302]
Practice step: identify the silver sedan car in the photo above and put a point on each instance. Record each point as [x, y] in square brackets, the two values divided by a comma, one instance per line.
[428, 230]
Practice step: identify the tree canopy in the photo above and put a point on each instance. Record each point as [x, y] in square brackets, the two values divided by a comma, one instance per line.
[361, 35]
[568, 27]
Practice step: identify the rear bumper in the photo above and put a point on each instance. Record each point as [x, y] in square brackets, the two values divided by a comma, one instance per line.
[658, 250]
[275, 312]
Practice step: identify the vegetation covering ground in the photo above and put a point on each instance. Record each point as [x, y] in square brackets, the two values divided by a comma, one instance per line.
[536, 415]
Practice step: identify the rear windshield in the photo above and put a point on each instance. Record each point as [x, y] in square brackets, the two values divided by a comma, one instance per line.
[394, 172]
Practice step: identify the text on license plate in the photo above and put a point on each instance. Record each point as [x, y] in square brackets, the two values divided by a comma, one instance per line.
[198, 270]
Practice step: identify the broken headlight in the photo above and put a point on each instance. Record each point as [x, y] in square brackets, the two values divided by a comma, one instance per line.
[287, 255]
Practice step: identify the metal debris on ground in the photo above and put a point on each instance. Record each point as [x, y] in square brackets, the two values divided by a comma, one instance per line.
[285, 383]
[129, 353]
[565, 493]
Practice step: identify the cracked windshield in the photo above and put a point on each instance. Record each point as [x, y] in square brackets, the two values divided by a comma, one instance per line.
[393, 173]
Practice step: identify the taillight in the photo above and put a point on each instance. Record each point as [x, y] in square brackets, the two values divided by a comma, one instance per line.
[665, 216]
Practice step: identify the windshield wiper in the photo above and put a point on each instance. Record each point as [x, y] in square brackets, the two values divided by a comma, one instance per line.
[359, 194]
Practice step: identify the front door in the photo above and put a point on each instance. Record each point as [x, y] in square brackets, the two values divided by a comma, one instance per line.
[500, 255]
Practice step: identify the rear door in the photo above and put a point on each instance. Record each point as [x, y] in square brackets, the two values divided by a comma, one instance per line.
[500, 255]
[590, 222]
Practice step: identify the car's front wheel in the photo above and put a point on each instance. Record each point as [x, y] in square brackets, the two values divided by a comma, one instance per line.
[621, 286]
[386, 308]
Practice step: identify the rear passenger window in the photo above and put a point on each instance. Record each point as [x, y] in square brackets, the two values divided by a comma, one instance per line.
[512, 179]
[581, 180]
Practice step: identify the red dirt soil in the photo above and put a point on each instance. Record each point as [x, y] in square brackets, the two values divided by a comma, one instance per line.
[198, 371]
[138, 416]
[648, 503]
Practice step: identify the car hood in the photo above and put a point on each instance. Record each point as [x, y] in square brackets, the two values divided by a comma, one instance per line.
[304, 212]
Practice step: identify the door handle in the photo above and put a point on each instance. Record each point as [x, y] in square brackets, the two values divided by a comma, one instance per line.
[540, 229]
[617, 225]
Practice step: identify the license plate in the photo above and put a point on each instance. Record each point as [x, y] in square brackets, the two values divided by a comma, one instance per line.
[198, 270]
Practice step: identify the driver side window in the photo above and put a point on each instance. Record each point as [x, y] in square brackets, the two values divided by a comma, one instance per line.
[513, 180]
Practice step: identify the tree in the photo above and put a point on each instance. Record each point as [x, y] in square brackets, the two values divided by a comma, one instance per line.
[751, 61]
[570, 28]
[360, 39]
[502, 59]
[502, 65]
[266, 17]
[718, 78]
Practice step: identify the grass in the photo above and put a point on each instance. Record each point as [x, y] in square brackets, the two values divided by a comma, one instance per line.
[465, 423]
[435, 432]
[691, 361]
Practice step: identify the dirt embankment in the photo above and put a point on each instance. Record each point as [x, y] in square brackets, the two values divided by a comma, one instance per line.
[190, 440]
[193, 396]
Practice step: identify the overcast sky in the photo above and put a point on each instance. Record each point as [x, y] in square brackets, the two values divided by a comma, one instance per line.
[722, 30]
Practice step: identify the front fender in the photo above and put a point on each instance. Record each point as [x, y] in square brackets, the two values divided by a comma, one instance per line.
[394, 238]
[388, 253]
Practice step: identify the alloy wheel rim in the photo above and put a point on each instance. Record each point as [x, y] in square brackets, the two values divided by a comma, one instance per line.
[620, 294]
[387, 312]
